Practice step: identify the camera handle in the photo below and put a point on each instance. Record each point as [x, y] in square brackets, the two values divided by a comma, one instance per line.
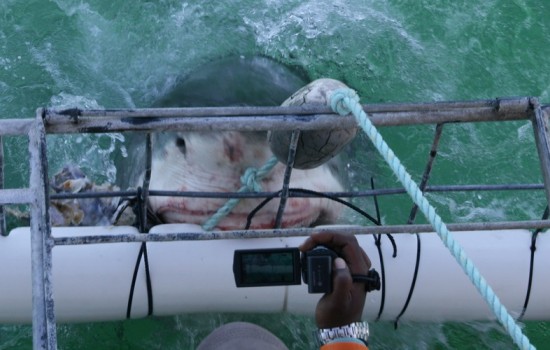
[371, 279]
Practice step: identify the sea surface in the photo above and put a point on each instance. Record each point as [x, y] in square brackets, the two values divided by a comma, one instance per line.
[123, 54]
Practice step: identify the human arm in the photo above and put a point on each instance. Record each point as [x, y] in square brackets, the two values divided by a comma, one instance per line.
[344, 305]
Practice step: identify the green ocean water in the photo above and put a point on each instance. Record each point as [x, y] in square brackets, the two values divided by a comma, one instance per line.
[125, 54]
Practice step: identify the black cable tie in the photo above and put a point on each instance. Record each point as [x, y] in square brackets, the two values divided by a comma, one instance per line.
[393, 244]
[532, 248]
[313, 193]
[413, 283]
[142, 254]
[371, 279]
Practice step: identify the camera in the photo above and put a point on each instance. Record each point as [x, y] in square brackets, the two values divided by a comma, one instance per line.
[284, 266]
[317, 269]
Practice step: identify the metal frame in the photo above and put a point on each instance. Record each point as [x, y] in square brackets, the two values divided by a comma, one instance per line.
[49, 121]
[43, 313]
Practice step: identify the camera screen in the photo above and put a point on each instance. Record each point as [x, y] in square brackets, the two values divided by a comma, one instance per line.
[266, 267]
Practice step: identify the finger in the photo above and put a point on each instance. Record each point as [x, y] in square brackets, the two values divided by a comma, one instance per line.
[332, 239]
[342, 283]
[367, 260]
[345, 245]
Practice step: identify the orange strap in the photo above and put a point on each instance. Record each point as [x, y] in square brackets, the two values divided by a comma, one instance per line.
[344, 346]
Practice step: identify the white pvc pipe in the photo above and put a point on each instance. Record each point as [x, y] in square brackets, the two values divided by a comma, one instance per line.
[92, 282]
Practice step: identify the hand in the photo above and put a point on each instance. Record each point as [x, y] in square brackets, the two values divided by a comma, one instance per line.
[345, 304]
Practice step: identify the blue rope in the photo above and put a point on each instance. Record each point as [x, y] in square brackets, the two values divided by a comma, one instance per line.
[249, 181]
[345, 101]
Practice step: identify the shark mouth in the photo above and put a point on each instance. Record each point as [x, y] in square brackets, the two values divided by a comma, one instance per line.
[298, 213]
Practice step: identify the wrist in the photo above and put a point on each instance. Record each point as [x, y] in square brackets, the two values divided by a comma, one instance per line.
[358, 331]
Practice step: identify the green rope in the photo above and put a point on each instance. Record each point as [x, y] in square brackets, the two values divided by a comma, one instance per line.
[250, 183]
[345, 101]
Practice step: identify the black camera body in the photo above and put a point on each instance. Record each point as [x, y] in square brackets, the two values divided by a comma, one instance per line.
[317, 269]
[284, 266]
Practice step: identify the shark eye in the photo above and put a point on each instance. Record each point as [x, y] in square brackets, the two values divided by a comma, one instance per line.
[180, 143]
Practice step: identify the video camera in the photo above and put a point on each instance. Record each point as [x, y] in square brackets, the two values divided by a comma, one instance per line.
[287, 266]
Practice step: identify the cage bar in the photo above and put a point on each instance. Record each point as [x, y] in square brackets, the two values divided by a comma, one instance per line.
[51, 121]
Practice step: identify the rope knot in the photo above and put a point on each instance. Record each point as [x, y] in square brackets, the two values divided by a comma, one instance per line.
[338, 101]
[249, 180]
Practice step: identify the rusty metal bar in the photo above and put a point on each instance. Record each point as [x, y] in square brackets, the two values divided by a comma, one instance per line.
[15, 127]
[503, 106]
[298, 232]
[295, 137]
[146, 181]
[540, 128]
[275, 122]
[347, 194]
[15, 196]
[281, 118]
[428, 169]
[43, 316]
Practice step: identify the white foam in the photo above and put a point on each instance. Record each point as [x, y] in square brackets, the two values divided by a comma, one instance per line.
[312, 19]
[65, 100]
[525, 133]
[91, 152]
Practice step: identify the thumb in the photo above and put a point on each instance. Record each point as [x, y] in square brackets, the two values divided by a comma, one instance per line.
[342, 281]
